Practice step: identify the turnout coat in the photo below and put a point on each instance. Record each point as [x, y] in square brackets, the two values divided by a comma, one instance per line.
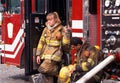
[52, 42]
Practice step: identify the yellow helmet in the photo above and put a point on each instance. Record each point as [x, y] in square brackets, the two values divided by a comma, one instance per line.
[97, 47]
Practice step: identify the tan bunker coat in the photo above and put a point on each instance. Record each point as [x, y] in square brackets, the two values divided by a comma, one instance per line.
[51, 43]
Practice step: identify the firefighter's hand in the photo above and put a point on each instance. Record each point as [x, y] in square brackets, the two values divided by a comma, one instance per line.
[67, 29]
[38, 59]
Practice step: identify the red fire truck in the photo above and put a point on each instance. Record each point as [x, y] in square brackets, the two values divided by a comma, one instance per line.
[97, 21]
[22, 25]
[12, 44]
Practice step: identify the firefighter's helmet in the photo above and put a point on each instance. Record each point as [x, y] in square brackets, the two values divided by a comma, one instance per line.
[97, 47]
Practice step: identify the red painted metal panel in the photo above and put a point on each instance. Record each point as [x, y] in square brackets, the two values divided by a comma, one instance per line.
[13, 61]
[33, 5]
[76, 9]
[98, 23]
[77, 30]
[15, 20]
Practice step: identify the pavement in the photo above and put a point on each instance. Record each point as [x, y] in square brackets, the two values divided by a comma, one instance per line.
[12, 74]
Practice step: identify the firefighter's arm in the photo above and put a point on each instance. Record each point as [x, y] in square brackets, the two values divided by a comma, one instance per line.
[66, 39]
[85, 66]
[41, 43]
[40, 46]
[66, 36]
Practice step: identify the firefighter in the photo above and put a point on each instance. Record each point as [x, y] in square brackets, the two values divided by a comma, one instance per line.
[49, 51]
[87, 58]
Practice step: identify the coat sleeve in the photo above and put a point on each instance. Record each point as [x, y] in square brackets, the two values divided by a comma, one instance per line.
[41, 43]
[66, 39]
[85, 65]
[66, 36]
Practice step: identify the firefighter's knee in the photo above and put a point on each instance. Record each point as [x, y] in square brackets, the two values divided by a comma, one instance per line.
[65, 74]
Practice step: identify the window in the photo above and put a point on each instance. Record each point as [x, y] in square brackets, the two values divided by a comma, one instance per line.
[41, 6]
[14, 6]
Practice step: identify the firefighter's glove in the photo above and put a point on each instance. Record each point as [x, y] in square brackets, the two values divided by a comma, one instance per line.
[78, 69]
[76, 76]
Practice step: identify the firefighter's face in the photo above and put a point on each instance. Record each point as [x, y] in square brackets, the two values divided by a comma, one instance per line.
[51, 20]
[76, 47]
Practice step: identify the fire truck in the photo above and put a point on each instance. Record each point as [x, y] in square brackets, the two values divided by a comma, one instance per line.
[97, 21]
[22, 24]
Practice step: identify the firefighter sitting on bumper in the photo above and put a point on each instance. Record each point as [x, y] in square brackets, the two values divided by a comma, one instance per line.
[87, 58]
[49, 49]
